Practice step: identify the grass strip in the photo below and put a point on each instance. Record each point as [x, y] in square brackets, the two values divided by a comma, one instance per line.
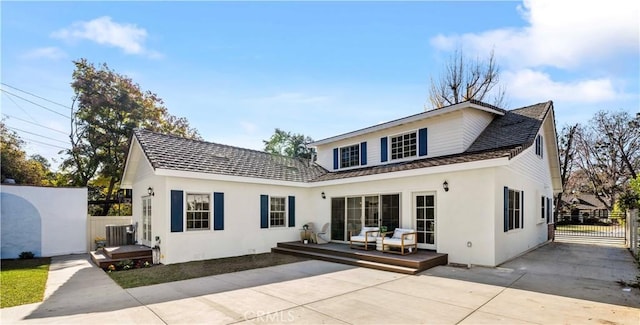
[23, 281]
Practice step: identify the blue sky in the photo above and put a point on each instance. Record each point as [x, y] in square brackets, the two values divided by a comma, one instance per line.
[237, 71]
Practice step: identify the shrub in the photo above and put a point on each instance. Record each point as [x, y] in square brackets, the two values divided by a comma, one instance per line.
[26, 255]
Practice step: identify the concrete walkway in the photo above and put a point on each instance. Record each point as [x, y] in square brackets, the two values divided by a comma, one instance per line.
[557, 283]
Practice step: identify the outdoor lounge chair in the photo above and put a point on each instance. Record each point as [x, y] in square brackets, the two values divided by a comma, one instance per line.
[404, 239]
[366, 236]
[322, 237]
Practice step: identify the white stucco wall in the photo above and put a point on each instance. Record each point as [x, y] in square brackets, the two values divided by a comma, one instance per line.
[60, 212]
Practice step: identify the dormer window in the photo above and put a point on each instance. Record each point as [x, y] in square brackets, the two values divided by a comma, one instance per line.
[350, 156]
[404, 145]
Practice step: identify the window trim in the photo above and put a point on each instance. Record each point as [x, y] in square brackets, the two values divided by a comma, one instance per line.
[511, 210]
[209, 211]
[284, 212]
[390, 145]
[539, 145]
[359, 158]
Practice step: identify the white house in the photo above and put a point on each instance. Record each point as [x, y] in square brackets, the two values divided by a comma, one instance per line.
[475, 181]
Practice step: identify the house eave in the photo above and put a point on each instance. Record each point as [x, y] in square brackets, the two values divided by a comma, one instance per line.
[227, 178]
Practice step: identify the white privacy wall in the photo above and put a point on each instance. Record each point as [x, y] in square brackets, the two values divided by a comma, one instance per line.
[47, 221]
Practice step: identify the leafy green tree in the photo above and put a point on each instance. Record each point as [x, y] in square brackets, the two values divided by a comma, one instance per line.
[106, 108]
[34, 170]
[289, 144]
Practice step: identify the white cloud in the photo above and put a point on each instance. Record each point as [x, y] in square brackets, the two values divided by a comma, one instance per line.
[248, 127]
[561, 34]
[52, 53]
[128, 37]
[533, 85]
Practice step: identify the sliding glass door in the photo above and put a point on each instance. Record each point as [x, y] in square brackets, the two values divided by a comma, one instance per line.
[351, 213]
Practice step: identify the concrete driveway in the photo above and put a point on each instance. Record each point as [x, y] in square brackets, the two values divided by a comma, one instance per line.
[557, 283]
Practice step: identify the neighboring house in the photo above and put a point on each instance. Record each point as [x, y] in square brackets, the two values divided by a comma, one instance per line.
[583, 206]
[474, 180]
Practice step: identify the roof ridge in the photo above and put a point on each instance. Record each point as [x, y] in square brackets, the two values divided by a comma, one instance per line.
[217, 144]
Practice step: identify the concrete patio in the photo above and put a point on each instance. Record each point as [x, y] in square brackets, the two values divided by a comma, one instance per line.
[557, 283]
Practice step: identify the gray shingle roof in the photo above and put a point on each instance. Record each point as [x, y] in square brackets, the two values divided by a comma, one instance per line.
[176, 153]
[505, 136]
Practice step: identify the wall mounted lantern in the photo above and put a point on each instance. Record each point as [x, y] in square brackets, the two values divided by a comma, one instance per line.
[323, 195]
[445, 186]
[150, 191]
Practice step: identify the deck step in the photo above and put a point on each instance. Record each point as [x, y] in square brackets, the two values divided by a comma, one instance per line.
[127, 251]
[346, 260]
[103, 260]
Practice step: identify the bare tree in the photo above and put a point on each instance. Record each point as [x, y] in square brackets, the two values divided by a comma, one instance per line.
[567, 152]
[464, 79]
[608, 152]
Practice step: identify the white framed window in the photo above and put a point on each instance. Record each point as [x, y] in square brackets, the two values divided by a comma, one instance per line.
[515, 210]
[198, 211]
[539, 146]
[350, 156]
[543, 207]
[404, 145]
[277, 212]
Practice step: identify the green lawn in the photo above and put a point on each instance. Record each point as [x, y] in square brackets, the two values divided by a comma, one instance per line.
[588, 228]
[182, 271]
[23, 281]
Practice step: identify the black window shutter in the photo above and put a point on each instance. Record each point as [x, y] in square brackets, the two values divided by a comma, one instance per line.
[218, 211]
[506, 209]
[383, 149]
[177, 211]
[335, 158]
[292, 211]
[549, 210]
[264, 211]
[363, 153]
[422, 142]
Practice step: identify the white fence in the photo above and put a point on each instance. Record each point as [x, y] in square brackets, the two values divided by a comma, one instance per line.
[96, 227]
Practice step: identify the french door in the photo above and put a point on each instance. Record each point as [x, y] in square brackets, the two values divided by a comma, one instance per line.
[351, 213]
[146, 221]
[424, 207]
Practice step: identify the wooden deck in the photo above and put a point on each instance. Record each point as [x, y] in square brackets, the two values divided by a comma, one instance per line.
[341, 253]
[112, 255]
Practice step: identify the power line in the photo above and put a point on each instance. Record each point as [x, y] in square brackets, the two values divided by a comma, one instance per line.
[40, 125]
[34, 103]
[20, 107]
[36, 134]
[46, 144]
[34, 95]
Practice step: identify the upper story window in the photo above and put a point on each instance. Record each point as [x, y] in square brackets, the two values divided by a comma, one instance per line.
[198, 211]
[404, 145]
[539, 146]
[350, 156]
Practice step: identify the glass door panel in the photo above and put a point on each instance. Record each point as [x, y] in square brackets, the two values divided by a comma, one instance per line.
[354, 215]
[371, 211]
[338, 219]
[425, 218]
[390, 211]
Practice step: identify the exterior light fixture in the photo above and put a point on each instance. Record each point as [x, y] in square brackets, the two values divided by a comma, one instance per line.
[323, 195]
[445, 186]
[150, 191]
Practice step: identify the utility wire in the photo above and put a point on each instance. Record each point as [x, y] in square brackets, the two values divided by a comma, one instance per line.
[36, 134]
[20, 107]
[46, 144]
[34, 95]
[34, 103]
[36, 124]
